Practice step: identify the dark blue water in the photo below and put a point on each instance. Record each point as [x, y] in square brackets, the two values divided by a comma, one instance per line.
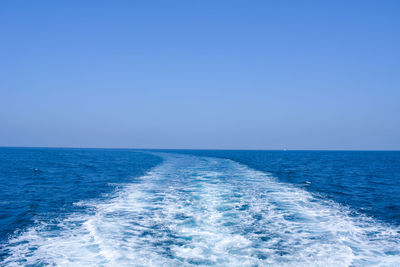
[43, 183]
[109, 207]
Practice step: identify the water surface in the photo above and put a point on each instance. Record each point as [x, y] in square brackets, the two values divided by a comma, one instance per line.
[218, 208]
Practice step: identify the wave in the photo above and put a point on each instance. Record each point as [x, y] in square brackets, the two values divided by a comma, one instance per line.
[194, 210]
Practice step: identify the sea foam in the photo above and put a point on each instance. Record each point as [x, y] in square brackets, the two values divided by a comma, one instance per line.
[194, 210]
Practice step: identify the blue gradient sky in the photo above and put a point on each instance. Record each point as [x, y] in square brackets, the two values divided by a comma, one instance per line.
[200, 74]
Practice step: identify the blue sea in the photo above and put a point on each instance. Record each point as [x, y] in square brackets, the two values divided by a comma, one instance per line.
[121, 207]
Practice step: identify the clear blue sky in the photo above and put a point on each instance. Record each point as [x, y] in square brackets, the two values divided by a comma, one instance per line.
[200, 74]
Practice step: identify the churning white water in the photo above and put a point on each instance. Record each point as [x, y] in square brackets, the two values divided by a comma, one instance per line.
[194, 210]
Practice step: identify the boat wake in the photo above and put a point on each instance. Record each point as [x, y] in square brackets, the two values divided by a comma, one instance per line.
[194, 210]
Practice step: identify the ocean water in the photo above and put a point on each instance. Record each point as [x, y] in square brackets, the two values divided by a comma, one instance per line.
[93, 207]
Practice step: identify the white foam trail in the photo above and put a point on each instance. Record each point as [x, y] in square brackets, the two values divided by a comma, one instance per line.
[204, 211]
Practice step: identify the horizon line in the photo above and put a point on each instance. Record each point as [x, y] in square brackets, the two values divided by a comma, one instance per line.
[220, 149]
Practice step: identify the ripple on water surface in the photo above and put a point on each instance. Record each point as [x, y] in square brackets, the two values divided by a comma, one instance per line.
[205, 211]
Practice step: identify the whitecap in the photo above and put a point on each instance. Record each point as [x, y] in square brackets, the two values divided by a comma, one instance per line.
[206, 211]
